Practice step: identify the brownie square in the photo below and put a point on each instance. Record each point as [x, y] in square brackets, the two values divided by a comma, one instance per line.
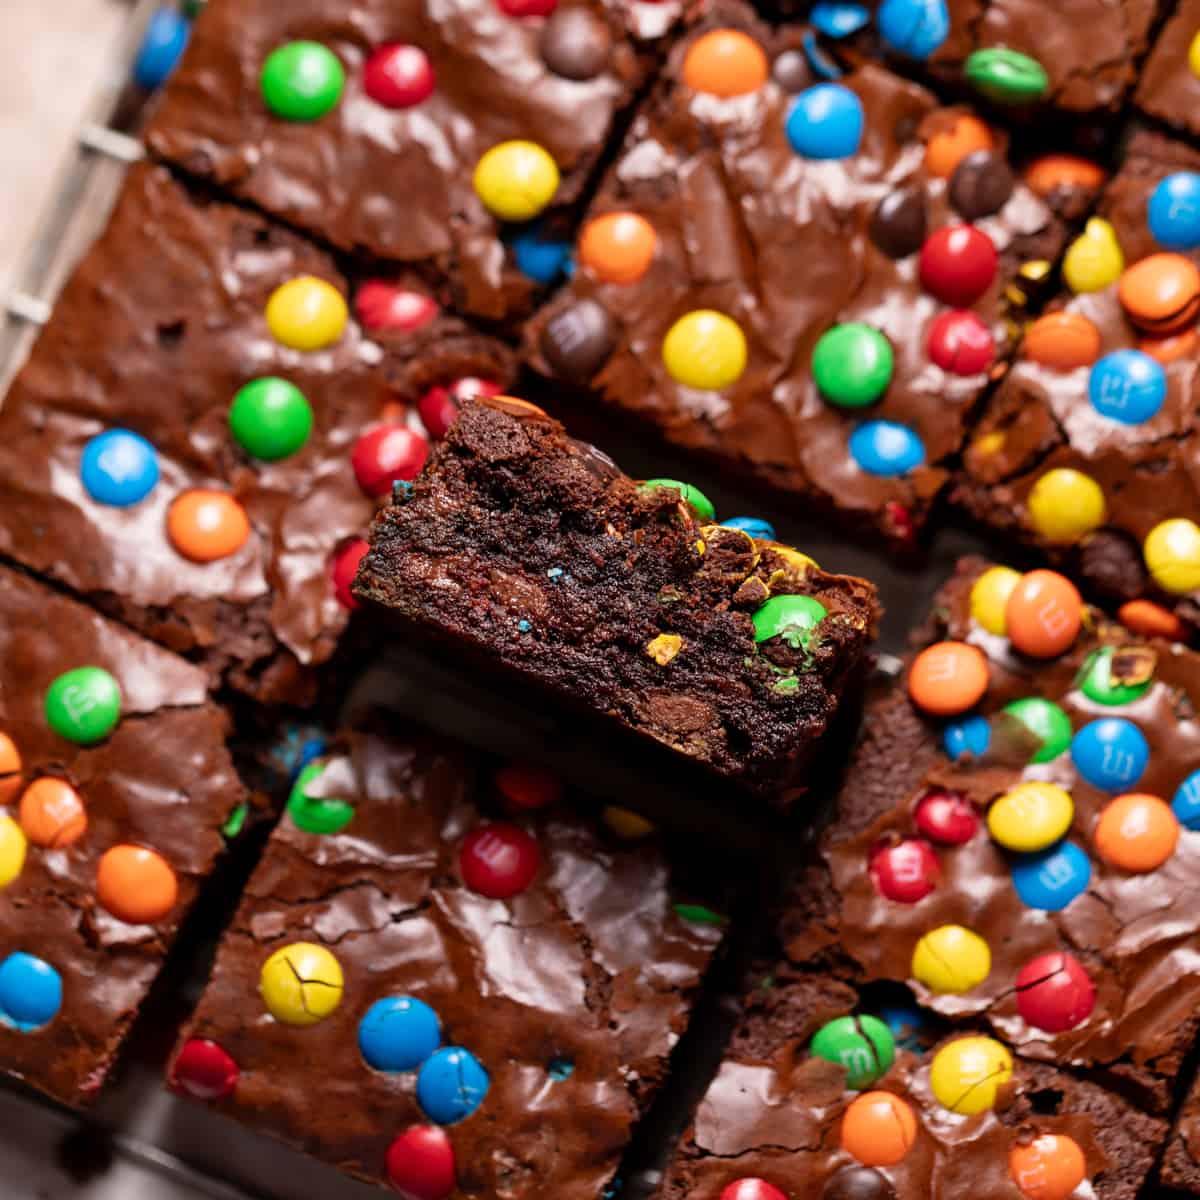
[394, 180]
[535, 556]
[1052, 418]
[157, 332]
[1168, 87]
[104, 842]
[553, 964]
[767, 207]
[1181, 1162]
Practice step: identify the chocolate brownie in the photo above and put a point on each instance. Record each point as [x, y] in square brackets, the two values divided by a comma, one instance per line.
[364, 122]
[1169, 87]
[1090, 448]
[804, 280]
[160, 397]
[116, 783]
[1181, 1162]
[490, 981]
[534, 554]
[781, 1120]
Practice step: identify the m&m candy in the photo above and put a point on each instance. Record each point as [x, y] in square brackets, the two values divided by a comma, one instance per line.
[439, 406]
[1094, 259]
[383, 305]
[913, 27]
[947, 818]
[344, 569]
[852, 365]
[1136, 833]
[1054, 992]
[863, 1045]
[1031, 816]
[527, 8]
[948, 678]
[1044, 614]
[1161, 293]
[957, 264]
[989, 598]
[906, 871]
[301, 983]
[1063, 340]
[206, 525]
[136, 884]
[966, 1075]
[693, 497]
[1065, 505]
[118, 467]
[398, 1033]
[857, 1183]
[981, 184]
[1172, 553]
[617, 247]
[385, 454]
[951, 960]
[162, 47]
[1127, 386]
[972, 735]
[270, 418]
[576, 43]
[705, 349]
[527, 787]
[1046, 722]
[725, 62]
[1173, 212]
[516, 180]
[899, 223]
[203, 1070]
[1006, 75]
[825, 122]
[839, 20]
[1047, 1166]
[315, 813]
[83, 705]
[1152, 620]
[751, 1189]
[398, 75]
[886, 448]
[878, 1129]
[540, 255]
[963, 134]
[498, 860]
[1099, 682]
[52, 813]
[10, 769]
[626, 824]
[1052, 879]
[756, 527]
[959, 342]
[31, 991]
[302, 81]
[1186, 802]
[306, 313]
[13, 846]
[1110, 753]
[420, 1163]
[792, 618]
[451, 1085]
[1050, 172]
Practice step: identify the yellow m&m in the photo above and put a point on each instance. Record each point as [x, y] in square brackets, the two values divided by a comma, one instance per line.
[1065, 505]
[1172, 553]
[301, 984]
[306, 313]
[951, 960]
[705, 349]
[1194, 55]
[626, 824]
[516, 180]
[967, 1074]
[1031, 816]
[12, 850]
[1094, 259]
[989, 598]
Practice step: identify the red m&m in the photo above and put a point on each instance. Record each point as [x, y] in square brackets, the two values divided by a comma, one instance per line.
[420, 1163]
[203, 1070]
[947, 817]
[498, 861]
[528, 787]
[958, 264]
[387, 453]
[381, 305]
[751, 1189]
[439, 406]
[906, 871]
[959, 342]
[345, 567]
[1054, 992]
[398, 75]
[527, 8]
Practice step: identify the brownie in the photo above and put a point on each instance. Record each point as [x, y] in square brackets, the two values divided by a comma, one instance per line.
[1181, 1162]
[775, 1112]
[1168, 87]
[534, 554]
[157, 332]
[559, 962]
[390, 178]
[106, 838]
[1043, 418]
[812, 257]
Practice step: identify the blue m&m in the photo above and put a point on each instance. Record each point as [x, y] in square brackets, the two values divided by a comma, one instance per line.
[839, 20]
[162, 47]
[1127, 386]
[826, 121]
[1173, 212]
[1186, 803]
[971, 735]
[914, 27]
[119, 467]
[756, 527]
[1052, 878]
[1110, 753]
[886, 448]
[30, 992]
[398, 1033]
[451, 1085]
[540, 257]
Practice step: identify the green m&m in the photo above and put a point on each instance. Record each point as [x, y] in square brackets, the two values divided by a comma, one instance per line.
[83, 705]
[1006, 76]
[317, 814]
[691, 495]
[302, 81]
[792, 618]
[270, 418]
[1109, 680]
[852, 365]
[1047, 722]
[863, 1045]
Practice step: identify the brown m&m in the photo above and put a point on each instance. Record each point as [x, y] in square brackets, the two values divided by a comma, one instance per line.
[575, 43]
[981, 184]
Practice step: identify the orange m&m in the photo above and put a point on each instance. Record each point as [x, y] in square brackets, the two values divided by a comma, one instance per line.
[10, 769]
[949, 146]
[52, 813]
[1045, 175]
[879, 1129]
[136, 885]
[947, 678]
[206, 525]
[1161, 293]
[725, 62]
[1169, 347]
[1137, 832]
[1044, 614]
[618, 247]
[1063, 340]
[1050, 1167]
[1152, 620]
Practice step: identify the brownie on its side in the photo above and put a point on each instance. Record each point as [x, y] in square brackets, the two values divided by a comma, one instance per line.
[364, 122]
[125, 476]
[1168, 87]
[534, 552]
[1090, 449]
[490, 981]
[1181, 1162]
[116, 784]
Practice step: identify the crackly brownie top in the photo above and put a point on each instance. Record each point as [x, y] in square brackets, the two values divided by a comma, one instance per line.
[489, 981]
[802, 276]
[1091, 447]
[115, 783]
[1169, 87]
[365, 123]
